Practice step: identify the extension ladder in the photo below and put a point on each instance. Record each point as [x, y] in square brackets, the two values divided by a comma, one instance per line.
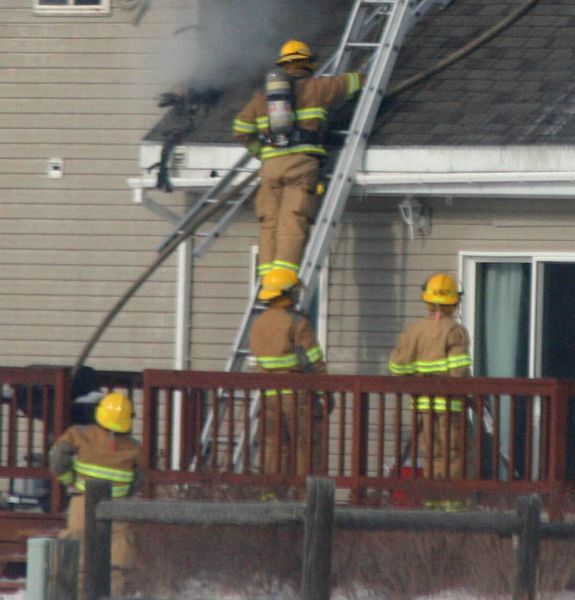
[372, 38]
[373, 35]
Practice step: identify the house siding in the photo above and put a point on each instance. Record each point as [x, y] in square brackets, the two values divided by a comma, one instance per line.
[376, 271]
[83, 89]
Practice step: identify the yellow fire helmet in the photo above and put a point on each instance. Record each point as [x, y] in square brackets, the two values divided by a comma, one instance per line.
[441, 288]
[114, 412]
[295, 50]
[276, 283]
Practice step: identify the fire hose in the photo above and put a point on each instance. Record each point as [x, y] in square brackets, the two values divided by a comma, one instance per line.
[191, 227]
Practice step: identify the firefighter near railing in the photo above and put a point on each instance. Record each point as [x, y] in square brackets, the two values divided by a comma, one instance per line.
[371, 432]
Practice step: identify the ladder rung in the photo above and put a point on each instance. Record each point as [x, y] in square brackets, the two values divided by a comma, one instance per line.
[214, 200]
[362, 45]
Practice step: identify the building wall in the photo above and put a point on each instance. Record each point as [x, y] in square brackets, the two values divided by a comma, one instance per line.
[83, 89]
[376, 271]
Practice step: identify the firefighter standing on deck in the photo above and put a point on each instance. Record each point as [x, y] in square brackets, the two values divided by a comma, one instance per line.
[283, 341]
[437, 345]
[283, 127]
[104, 450]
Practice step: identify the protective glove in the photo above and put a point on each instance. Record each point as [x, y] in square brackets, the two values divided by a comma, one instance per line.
[255, 148]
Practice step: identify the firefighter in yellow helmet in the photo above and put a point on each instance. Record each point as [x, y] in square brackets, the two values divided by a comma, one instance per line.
[437, 345]
[283, 125]
[283, 341]
[104, 450]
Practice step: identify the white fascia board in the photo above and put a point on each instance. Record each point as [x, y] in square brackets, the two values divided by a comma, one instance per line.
[519, 171]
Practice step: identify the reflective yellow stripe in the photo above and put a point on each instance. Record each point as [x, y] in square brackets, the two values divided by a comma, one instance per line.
[284, 264]
[278, 362]
[99, 472]
[437, 404]
[265, 268]
[353, 83]
[312, 112]
[269, 393]
[271, 152]
[314, 354]
[66, 478]
[244, 127]
[118, 490]
[442, 365]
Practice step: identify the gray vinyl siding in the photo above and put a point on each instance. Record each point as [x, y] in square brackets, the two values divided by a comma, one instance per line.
[84, 89]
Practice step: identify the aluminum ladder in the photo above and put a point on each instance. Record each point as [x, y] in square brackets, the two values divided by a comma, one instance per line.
[227, 196]
[372, 38]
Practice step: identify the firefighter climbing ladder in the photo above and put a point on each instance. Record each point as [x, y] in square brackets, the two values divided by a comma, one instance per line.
[373, 36]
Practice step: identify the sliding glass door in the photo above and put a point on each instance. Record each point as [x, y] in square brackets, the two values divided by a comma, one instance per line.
[520, 310]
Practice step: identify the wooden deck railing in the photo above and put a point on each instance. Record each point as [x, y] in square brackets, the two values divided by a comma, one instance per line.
[369, 432]
[199, 426]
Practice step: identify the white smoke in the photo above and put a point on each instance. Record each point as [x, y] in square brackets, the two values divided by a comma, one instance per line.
[228, 41]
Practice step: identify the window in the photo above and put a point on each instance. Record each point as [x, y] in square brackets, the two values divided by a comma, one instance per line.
[519, 311]
[54, 7]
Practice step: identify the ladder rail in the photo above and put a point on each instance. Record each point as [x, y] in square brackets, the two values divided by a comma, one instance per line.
[209, 196]
[396, 17]
[396, 27]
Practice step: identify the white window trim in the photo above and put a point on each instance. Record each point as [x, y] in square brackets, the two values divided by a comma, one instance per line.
[468, 262]
[70, 9]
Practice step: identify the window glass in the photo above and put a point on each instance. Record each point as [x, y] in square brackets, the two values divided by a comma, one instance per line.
[502, 319]
[71, 6]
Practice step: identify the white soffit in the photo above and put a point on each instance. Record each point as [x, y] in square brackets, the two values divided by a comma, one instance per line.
[517, 171]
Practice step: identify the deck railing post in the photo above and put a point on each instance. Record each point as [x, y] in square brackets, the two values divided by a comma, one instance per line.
[320, 497]
[97, 542]
[359, 442]
[63, 570]
[527, 553]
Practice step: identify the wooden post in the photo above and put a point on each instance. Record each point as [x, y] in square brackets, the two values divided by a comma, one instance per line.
[97, 543]
[527, 553]
[63, 570]
[316, 580]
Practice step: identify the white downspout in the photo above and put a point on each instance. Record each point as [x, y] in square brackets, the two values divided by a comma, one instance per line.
[182, 340]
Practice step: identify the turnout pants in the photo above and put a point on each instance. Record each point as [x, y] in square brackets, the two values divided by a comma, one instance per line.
[286, 205]
[287, 420]
[122, 546]
[433, 435]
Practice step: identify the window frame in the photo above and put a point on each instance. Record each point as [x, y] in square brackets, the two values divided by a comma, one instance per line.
[103, 8]
[468, 261]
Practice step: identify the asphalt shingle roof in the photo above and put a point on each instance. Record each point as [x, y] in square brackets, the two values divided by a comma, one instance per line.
[517, 88]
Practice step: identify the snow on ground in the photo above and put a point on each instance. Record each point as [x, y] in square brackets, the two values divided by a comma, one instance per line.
[199, 591]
